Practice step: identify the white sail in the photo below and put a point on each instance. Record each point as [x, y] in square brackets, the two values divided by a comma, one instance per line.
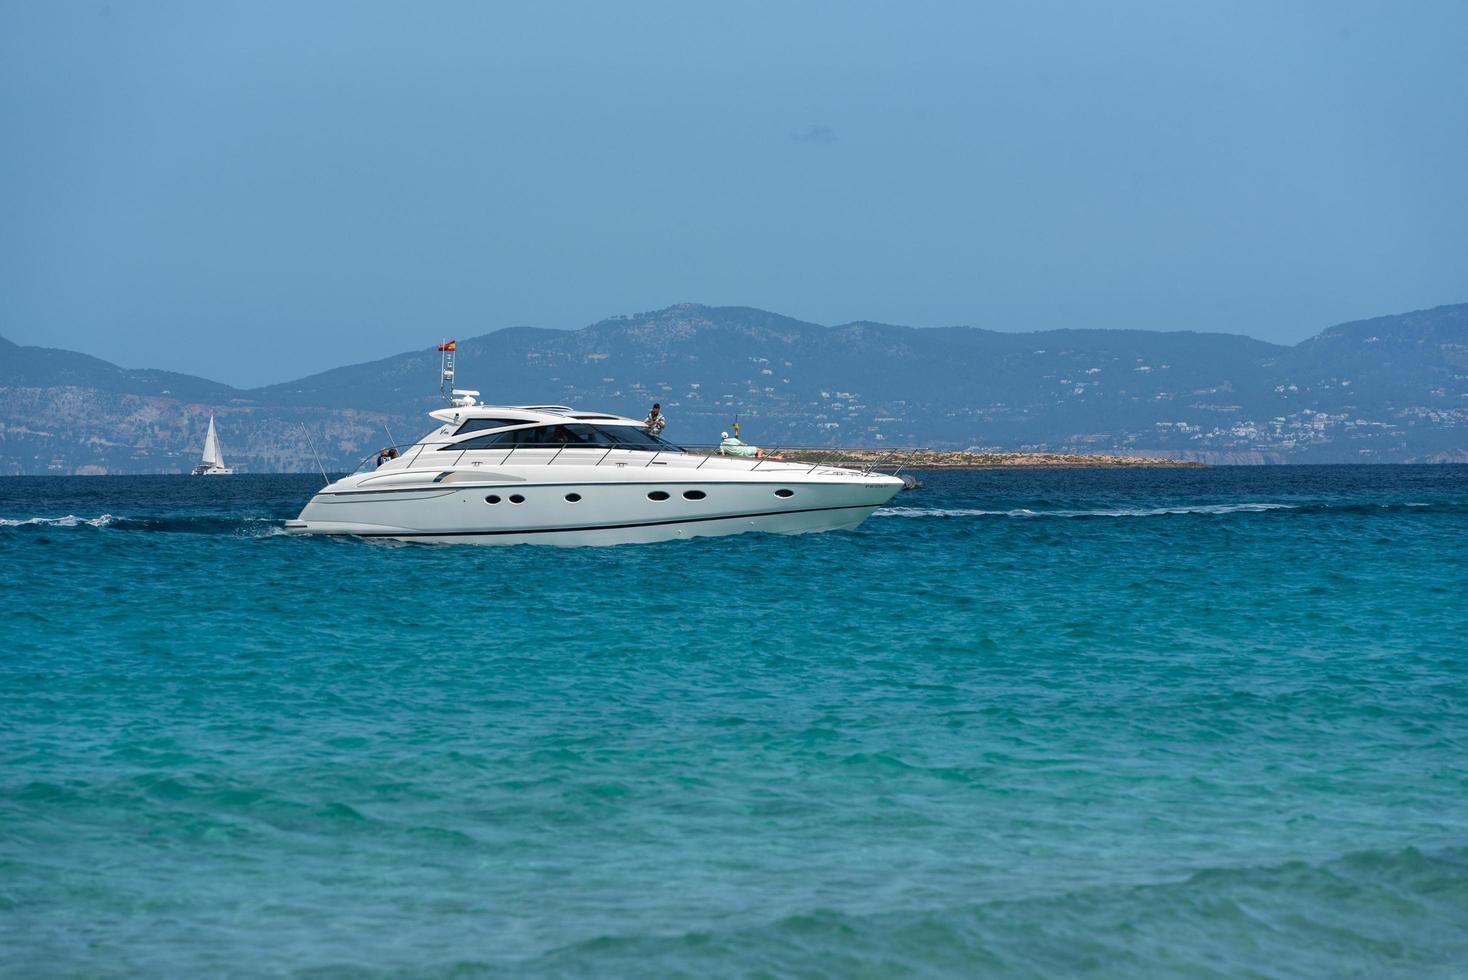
[212, 455]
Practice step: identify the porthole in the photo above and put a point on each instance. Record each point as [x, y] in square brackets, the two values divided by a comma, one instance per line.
[571, 498]
[658, 495]
[492, 499]
[782, 492]
[515, 498]
[694, 495]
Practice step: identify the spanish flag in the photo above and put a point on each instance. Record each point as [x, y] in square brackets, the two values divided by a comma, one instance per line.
[452, 345]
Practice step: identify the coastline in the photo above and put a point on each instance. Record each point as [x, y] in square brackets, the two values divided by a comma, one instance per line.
[933, 459]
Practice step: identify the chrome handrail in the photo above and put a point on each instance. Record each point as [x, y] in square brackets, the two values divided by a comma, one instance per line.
[412, 456]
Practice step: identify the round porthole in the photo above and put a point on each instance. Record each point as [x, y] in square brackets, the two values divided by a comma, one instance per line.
[572, 497]
[515, 498]
[492, 499]
[782, 492]
[658, 495]
[694, 495]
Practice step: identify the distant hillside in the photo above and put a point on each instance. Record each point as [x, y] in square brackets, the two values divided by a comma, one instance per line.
[1388, 389]
[44, 367]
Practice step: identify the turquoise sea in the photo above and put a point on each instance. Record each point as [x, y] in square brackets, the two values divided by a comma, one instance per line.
[1117, 724]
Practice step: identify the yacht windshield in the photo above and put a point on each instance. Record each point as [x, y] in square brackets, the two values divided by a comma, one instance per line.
[633, 435]
[479, 425]
[559, 436]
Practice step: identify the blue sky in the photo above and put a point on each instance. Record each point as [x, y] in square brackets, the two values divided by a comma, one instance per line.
[253, 191]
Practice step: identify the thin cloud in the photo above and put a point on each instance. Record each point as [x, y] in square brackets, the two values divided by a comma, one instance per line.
[815, 133]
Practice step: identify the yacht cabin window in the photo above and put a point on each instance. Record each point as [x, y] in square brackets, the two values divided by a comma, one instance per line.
[560, 435]
[478, 425]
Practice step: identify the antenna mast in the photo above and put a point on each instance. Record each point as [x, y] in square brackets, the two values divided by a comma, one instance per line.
[446, 374]
[454, 396]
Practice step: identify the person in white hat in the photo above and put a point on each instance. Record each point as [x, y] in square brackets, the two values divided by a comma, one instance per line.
[733, 446]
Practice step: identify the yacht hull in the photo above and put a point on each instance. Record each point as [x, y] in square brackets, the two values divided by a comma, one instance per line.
[514, 510]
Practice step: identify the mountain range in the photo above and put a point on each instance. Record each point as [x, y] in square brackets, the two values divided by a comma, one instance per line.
[1389, 389]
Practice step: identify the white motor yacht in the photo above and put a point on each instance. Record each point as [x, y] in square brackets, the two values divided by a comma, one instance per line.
[547, 474]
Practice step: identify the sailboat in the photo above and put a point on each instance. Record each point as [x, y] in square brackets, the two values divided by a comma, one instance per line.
[213, 462]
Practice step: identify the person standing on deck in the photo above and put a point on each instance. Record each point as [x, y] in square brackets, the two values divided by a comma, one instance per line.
[655, 420]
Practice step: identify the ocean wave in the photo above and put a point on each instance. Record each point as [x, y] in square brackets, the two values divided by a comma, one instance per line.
[1388, 913]
[257, 527]
[70, 520]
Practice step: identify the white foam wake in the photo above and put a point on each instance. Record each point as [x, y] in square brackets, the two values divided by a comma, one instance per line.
[70, 520]
[1109, 512]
